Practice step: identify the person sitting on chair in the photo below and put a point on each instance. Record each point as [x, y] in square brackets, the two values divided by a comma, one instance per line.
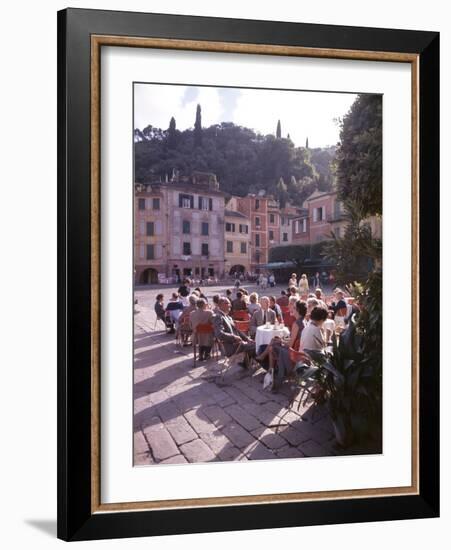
[239, 304]
[276, 308]
[282, 300]
[159, 308]
[262, 316]
[184, 320]
[232, 339]
[202, 316]
[175, 308]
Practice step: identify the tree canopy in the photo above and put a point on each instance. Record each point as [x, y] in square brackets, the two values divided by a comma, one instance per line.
[359, 156]
[244, 161]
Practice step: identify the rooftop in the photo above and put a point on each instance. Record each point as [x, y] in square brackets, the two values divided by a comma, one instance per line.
[234, 214]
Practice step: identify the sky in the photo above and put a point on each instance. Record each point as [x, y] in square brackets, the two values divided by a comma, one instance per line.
[302, 114]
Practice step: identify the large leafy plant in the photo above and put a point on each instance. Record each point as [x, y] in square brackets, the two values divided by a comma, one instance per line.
[348, 380]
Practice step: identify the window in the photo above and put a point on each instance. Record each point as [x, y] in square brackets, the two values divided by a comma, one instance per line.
[141, 204]
[150, 229]
[186, 201]
[204, 228]
[304, 225]
[205, 203]
[285, 237]
[272, 218]
[187, 249]
[150, 252]
[257, 221]
[204, 249]
[318, 214]
[186, 227]
[229, 246]
[243, 248]
[156, 204]
[230, 227]
[257, 240]
[244, 228]
[257, 204]
[271, 235]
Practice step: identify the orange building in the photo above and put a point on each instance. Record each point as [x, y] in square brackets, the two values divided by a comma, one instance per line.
[255, 207]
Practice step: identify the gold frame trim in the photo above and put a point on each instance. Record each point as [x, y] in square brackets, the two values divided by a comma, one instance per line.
[97, 41]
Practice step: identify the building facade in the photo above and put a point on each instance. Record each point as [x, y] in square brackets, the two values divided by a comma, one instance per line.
[255, 207]
[150, 233]
[273, 223]
[322, 214]
[237, 240]
[287, 215]
[188, 229]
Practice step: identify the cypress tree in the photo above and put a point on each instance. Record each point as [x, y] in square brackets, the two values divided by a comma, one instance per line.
[278, 130]
[172, 134]
[198, 128]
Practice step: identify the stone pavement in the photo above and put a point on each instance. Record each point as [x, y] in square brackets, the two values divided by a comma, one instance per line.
[185, 414]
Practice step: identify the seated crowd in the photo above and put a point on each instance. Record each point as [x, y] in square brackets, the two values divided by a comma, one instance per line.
[233, 323]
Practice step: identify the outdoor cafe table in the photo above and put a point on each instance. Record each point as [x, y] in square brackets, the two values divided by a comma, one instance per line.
[265, 334]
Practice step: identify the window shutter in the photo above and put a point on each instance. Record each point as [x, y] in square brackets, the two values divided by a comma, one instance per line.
[180, 200]
[315, 214]
[191, 198]
[200, 203]
[210, 204]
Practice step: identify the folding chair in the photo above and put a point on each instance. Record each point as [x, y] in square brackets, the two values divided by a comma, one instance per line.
[183, 328]
[288, 320]
[240, 315]
[156, 321]
[203, 328]
[285, 310]
[243, 326]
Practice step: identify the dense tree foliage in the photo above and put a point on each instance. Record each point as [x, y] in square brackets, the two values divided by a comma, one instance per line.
[243, 160]
[359, 185]
[359, 156]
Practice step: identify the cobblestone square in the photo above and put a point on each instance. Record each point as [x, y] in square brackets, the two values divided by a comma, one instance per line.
[191, 414]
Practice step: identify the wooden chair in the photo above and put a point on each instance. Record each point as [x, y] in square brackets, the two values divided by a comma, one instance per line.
[204, 328]
[240, 315]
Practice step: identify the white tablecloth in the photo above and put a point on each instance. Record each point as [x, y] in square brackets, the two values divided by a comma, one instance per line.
[265, 335]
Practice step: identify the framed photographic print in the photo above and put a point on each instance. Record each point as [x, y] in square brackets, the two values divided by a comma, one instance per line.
[248, 238]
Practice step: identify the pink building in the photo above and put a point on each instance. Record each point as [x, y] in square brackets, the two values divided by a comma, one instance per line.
[179, 229]
[322, 214]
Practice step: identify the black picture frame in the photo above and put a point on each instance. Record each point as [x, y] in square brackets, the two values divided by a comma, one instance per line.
[76, 521]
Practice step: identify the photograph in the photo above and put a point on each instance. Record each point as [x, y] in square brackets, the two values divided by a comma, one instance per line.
[257, 273]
